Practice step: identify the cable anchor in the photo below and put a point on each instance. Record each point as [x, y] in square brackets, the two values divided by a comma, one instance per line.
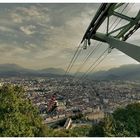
[85, 44]
[110, 49]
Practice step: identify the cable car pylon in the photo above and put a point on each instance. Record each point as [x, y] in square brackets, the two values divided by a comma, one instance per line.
[118, 41]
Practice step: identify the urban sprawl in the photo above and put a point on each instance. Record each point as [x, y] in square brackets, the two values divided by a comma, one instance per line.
[73, 95]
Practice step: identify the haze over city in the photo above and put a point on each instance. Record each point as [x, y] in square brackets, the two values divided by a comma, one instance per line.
[69, 69]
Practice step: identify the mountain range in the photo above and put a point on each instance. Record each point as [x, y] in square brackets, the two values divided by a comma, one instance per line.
[7, 70]
[125, 72]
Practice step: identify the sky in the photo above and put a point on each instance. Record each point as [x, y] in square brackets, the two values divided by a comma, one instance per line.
[39, 36]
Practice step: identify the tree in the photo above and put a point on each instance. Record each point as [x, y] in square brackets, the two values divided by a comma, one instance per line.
[18, 116]
[129, 118]
[78, 131]
[124, 122]
[97, 130]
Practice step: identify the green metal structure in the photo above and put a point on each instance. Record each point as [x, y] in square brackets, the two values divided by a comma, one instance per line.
[116, 38]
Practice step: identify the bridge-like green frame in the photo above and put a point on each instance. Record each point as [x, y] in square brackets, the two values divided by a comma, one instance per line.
[122, 33]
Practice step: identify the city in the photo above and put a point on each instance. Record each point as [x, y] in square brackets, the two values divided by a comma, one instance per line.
[70, 69]
[87, 97]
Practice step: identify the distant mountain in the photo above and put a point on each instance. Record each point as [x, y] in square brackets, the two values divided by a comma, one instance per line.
[11, 67]
[53, 71]
[7, 70]
[126, 72]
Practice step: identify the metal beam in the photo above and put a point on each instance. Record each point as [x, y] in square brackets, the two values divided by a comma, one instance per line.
[129, 26]
[98, 20]
[101, 19]
[136, 27]
[107, 25]
[117, 29]
[122, 33]
[129, 49]
[122, 16]
[118, 5]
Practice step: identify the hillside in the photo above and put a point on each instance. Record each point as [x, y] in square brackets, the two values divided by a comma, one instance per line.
[125, 72]
[7, 70]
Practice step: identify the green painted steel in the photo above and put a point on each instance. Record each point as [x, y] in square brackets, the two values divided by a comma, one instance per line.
[121, 34]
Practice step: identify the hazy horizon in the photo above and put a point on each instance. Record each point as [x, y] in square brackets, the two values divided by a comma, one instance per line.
[100, 70]
[38, 36]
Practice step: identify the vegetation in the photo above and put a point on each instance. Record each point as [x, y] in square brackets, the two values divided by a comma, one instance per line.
[81, 131]
[124, 122]
[18, 117]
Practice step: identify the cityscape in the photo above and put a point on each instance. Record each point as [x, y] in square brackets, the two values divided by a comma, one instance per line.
[53, 86]
[92, 98]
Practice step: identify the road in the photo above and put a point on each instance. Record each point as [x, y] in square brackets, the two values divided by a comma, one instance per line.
[90, 115]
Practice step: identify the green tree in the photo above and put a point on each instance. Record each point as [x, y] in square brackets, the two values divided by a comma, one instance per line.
[97, 130]
[78, 131]
[124, 122]
[18, 116]
[129, 118]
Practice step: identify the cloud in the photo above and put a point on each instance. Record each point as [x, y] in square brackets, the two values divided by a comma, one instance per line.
[44, 35]
[33, 13]
[28, 30]
[6, 29]
[16, 18]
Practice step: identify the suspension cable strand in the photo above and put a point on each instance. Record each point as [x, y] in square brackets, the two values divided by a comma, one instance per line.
[94, 63]
[115, 22]
[84, 75]
[86, 58]
[98, 63]
[100, 44]
[92, 52]
[75, 59]
[120, 19]
[77, 53]
[72, 60]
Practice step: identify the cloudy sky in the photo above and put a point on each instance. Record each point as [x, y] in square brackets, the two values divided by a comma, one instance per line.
[40, 36]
